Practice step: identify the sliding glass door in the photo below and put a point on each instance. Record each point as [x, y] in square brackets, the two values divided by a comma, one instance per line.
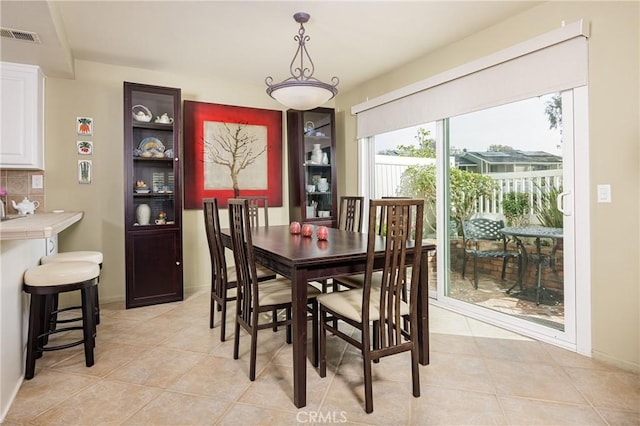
[508, 186]
[511, 166]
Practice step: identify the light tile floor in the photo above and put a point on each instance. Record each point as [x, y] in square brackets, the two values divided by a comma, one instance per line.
[162, 365]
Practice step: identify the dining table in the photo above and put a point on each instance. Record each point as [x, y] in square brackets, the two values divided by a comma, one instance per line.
[307, 259]
[537, 233]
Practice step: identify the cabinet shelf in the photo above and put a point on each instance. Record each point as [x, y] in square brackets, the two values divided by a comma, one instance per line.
[163, 159]
[154, 195]
[153, 126]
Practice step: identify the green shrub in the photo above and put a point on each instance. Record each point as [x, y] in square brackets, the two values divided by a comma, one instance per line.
[548, 213]
[515, 207]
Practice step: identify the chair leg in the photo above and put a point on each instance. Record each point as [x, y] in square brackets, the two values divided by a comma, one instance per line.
[88, 323]
[254, 353]
[212, 309]
[475, 272]
[314, 330]
[376, 337]
[236, 339]
[415, 370]
[504, 267]
[96, 302]
[35, 325]
[368, 385]
[275, 320]
[322, 367]
[223, 320]
[464, 262]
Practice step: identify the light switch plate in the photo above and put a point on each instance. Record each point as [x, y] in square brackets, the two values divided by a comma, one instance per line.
[604, 193]
[36, 181]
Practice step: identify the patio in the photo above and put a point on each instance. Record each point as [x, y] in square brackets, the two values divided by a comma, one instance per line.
[492, 291]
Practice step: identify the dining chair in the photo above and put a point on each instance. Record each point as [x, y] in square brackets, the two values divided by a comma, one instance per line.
[350, 216]
[349, 219]
[223, 277]
[387, 323]
[254, 210]
[357, 280]
[253, 299]
[476, 234]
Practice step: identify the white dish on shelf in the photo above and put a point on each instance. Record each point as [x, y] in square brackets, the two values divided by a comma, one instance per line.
[143, 191]
[151, 146]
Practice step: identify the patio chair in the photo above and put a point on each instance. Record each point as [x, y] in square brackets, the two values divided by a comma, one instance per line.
[386, 322]
[475, 232]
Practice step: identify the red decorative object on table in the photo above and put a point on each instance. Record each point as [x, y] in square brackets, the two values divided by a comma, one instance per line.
[294, 228]
[307, 230]
[322, 232]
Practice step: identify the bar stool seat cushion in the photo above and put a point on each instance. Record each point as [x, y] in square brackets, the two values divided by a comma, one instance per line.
[73, 256]
[61, 273]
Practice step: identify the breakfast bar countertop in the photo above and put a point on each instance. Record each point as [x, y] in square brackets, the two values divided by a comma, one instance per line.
[36, 226]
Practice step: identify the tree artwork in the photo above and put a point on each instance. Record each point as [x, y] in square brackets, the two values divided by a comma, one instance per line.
[235, 156]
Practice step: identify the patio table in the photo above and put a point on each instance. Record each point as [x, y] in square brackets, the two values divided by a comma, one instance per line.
[536, 232]
[303, 259]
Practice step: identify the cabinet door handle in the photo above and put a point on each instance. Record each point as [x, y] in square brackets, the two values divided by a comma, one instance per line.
[175, 159]
[178, 263]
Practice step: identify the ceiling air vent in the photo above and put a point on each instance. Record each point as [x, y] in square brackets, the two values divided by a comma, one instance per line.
[20, 35]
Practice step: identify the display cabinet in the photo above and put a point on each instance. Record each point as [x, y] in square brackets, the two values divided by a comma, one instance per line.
[153, 207]
[312, 168]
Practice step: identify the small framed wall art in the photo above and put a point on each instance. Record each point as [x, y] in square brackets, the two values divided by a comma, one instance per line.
[84, 171]
[84, 147]
[84, 126]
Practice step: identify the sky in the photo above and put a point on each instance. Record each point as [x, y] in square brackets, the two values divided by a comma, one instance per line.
[522, 125]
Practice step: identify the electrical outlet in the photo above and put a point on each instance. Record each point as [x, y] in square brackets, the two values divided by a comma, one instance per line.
[36, 182]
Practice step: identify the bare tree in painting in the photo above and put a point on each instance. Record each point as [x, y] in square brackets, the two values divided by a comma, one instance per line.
[235, 148]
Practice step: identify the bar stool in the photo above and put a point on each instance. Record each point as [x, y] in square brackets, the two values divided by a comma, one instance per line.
[46, 281]
[74, 256]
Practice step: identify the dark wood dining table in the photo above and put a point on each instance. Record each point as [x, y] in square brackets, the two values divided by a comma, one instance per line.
[304, 259]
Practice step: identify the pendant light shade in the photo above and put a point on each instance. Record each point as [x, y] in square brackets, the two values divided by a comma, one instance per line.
[301, 91]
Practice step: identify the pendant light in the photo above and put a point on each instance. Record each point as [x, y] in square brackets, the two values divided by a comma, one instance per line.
[302, 91]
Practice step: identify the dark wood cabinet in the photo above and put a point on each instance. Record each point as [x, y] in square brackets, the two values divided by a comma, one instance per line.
[312, 166]
[153, 196]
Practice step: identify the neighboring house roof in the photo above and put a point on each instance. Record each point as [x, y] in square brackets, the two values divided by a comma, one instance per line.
[510, 157]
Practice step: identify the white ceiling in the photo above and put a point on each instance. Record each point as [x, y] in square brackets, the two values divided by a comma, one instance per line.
[241, 40]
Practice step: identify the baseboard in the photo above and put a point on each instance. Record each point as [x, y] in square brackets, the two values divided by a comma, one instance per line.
[5, 409]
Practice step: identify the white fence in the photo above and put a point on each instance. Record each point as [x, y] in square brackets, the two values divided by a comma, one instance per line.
[388, 172]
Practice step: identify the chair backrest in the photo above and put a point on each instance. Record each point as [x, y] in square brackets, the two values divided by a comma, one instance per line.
[242, 246]
[254, 210]
[350, 218]
[481, 229]
[216, 248]
[403, 221]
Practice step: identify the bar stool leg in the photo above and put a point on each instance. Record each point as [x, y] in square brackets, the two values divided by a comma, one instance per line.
[36, 322]
[88, 326]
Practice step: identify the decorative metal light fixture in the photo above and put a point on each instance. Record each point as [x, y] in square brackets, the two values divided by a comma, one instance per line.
[301, 91]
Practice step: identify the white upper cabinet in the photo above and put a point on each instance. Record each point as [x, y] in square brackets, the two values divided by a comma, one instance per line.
[22, 113]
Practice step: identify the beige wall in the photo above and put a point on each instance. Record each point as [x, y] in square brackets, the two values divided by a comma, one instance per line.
[613, 106]
[614, 156]
[97, 92]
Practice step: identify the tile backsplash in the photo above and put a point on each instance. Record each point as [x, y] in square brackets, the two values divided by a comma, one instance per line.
[17, 183]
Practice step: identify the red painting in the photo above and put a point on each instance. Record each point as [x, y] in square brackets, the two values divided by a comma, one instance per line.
[231, 151]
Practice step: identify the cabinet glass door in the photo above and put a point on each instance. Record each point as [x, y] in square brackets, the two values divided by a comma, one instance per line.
[318, 164]
[152, 182]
